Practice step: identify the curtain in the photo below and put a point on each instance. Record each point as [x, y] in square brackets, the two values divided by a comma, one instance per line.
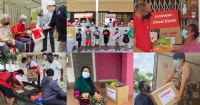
[15, 12]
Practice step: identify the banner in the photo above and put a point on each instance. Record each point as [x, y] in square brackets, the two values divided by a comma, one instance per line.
[164, 19]
[70, 39]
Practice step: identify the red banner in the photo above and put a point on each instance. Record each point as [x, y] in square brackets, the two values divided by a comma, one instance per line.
[164, 19]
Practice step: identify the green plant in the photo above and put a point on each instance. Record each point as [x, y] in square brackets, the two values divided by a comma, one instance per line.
[139, 77]
[5, 58]
[185, 1]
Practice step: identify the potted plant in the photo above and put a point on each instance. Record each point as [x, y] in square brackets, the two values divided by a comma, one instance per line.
[184, 9]
[6, 58]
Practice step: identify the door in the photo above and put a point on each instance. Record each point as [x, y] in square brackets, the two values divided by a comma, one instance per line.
[108, 66]
[80, 60]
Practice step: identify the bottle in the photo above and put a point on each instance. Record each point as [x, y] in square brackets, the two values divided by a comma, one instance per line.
[184, 9]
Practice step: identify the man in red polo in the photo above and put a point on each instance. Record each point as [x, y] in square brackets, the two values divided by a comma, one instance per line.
[21, 34]
[142, 41]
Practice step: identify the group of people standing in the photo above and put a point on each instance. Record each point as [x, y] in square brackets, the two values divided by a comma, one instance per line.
[106, 35]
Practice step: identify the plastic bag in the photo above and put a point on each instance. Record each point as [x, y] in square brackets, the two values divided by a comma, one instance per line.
[162, 45]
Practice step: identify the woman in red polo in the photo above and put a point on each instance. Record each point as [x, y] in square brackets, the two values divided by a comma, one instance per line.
[21, 34]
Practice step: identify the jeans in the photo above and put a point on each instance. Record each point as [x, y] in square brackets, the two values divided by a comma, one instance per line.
[26, 39]
[19, 45]
[51, 32]
[62, 46]
[58, 101]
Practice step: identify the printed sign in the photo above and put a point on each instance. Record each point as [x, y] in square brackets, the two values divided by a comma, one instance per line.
[110, 16]
[175, 82]
[172, 32]
[166, 96]
[111, 93]
[154, 36]
[195, 94]
[164, 19]
[70, 39]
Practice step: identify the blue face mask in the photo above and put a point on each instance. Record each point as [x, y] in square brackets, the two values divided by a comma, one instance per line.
[39, 14]
[176, 63]
[23, 22]
[49, 11]
[86, 75]
[184, 33]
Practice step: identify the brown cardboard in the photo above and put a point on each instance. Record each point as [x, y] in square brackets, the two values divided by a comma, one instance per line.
[177, 47]
[121, 94]
[31, 75]
[178, 88]
[155, 95]
[172, 32]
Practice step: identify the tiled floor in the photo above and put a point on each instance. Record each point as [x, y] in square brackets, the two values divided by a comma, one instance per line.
[73, 101]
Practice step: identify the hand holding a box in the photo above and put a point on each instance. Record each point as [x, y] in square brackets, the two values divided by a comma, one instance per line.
[97, 96]
[178, 97]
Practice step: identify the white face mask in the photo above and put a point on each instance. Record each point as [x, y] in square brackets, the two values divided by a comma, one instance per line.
[131, 20]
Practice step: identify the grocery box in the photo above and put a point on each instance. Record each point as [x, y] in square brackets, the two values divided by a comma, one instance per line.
[164, 95]
[118, 95]
[31, 75]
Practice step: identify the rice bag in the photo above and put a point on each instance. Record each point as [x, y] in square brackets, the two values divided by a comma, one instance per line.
[161, 45]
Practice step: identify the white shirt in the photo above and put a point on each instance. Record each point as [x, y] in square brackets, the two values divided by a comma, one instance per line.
[55, 65]
[19, 78]
[44, 20]
[5, 34]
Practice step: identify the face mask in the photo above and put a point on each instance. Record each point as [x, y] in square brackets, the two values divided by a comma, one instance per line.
[23, 22]
[148, 15]
[41, 15]
[49, 11]
[117, 30]
[6, 23]
[131, 20]
[184, 33]
[176, 63]
[125, 32]
[96, 29]
[148, 88]
[122, 23]
[92, 23]
[105, 28]
[86, 75]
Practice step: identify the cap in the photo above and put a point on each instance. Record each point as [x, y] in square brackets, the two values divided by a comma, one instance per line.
[51, 3]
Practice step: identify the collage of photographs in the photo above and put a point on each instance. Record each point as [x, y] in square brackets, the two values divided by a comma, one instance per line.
[99, 52]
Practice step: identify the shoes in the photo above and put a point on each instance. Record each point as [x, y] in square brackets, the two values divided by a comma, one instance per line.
[43, 50]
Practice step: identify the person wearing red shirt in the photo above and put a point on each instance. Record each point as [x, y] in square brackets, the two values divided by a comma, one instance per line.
[68, 23]
[142, 40]
[8, 80]
[115, 22]
[32, 65]
[21, 34]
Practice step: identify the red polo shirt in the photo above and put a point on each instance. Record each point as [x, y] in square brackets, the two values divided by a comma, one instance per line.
[142, 34]
[20, 28]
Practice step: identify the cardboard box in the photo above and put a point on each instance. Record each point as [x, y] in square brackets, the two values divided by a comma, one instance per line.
[164, 95]
[174, 34]
[177, 84]
[177, 47]
[118, 95]
[31, 75]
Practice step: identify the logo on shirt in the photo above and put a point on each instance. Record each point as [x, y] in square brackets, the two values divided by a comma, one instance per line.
[147, 27]
[58, 12]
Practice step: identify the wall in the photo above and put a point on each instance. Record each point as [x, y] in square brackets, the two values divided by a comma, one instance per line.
[127, 70]
[101, 42]
[165, 65]
[70, 71]
[103, 6]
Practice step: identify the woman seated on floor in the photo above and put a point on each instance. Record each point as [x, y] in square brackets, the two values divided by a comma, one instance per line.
[84, 87]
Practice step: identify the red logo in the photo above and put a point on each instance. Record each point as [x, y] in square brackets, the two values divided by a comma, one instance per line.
[164, 19]
[165, 94]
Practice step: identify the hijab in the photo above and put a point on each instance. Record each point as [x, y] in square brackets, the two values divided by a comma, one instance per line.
[81, 82]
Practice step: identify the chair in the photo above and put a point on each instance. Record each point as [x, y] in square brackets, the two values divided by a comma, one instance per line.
[11, 47]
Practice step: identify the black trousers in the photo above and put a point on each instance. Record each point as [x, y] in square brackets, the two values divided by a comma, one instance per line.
[38, 81]
[58, 101]
[51, 32]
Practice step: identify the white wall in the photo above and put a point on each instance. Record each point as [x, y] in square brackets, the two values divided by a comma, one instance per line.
[165, 65]
[70, 71]
[101, 43]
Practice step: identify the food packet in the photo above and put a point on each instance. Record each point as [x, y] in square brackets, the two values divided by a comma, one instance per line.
[162, 45]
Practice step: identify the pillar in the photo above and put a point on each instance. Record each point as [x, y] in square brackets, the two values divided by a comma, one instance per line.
[97, 13]
[44, 4]
[127, 73]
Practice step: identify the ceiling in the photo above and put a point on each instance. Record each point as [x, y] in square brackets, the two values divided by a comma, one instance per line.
[32, 3]
[100, 0]
[191, 57]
